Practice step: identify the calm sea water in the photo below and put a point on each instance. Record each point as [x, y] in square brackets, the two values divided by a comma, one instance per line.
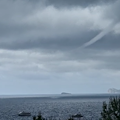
[56, 106]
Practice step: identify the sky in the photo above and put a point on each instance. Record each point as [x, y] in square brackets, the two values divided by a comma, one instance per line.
[54, 46]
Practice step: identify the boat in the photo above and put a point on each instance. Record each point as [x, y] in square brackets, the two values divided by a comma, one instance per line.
[24, 114]
[77, 116]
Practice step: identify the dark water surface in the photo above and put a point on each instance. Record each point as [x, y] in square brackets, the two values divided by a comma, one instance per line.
[61, 106]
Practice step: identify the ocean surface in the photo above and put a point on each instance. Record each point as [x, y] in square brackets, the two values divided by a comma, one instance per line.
[52, 106]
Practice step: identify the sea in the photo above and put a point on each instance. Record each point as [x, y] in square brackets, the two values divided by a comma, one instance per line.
[56, 107]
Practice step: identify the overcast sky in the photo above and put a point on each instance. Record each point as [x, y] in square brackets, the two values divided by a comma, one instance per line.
[54, 46]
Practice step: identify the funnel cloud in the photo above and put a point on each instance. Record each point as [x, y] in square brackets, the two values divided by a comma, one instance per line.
[99, 36]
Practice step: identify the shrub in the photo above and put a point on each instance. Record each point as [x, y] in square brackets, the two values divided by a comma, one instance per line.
[111, 111]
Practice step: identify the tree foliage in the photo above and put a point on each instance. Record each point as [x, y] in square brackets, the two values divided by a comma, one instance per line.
[111, 111]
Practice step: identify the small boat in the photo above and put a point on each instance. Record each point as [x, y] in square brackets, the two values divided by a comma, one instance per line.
[24, 114]
[77, 116]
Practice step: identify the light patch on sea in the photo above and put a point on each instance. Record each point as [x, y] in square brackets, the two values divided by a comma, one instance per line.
[52, 107]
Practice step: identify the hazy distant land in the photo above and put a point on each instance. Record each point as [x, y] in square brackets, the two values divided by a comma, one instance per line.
[64, 93]
[113, 90]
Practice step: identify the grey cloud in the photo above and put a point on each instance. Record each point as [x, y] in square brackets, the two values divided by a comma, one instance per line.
[62, 43]
[63, 34]
[83, 67]
[108, 42]
[103, 59]
[36, 62]
[82, 3]
[112, 11]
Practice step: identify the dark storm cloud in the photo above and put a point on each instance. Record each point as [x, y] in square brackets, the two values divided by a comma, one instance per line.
[72, 3]
[112, 11]
[17, 35]
[108, 42]
[28, 25]
[69, 42]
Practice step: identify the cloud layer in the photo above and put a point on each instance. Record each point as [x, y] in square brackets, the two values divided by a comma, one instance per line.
[40, 44]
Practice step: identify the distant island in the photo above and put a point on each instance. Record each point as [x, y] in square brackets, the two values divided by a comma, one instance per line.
[113, 90]
[64, 93]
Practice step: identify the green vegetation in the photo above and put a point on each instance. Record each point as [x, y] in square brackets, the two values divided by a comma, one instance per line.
[39, 117]
[111, 111]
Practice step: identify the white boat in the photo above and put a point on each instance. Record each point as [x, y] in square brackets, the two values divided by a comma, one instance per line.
[24, 114]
